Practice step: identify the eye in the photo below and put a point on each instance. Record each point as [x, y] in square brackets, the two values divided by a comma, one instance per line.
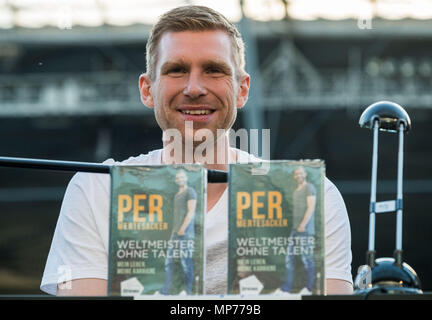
[176, 71]
[215, 71]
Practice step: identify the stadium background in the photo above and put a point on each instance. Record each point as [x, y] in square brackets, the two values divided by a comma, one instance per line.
[68, 91]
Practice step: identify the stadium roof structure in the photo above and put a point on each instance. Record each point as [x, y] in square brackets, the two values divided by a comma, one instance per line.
[27, 25]
[65, 14]
[99, 21]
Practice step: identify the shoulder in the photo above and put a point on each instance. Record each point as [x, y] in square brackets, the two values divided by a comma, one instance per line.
[310, 188]
[337, 234]
[331, 193]
[335, 212]
[245, 157]
[150, 158]
[87, 180]
[191, 193]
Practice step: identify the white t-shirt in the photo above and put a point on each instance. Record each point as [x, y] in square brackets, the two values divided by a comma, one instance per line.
[79, 248]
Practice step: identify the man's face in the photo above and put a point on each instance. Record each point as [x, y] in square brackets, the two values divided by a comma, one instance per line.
[195, 81]
[299, 175]
[181, 178]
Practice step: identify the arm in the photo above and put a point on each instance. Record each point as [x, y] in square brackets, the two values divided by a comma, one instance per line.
[78, 249]
[311, 202]
[338, 286]
[83, 287]
[191, 204]
[338, 255]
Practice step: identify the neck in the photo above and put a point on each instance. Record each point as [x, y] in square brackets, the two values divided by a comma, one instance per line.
[214, 156]
[302, 184]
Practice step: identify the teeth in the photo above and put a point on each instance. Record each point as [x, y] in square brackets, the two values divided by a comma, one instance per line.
[197, 111]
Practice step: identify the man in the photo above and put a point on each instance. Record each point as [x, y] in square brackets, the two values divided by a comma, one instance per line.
[195, 73]
[184, 231]
[304, 203]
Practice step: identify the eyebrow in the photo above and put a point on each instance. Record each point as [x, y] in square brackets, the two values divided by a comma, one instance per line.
[207, 64]
[219, 65]
[171, 64]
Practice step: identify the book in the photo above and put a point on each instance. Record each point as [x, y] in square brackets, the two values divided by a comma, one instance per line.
[276, 228]
[156, 243]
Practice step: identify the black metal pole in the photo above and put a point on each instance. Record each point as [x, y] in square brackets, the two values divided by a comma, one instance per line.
[213, 176]
[217, 176]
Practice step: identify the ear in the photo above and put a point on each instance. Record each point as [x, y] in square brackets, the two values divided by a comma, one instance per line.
[243, 91]
[145, 90]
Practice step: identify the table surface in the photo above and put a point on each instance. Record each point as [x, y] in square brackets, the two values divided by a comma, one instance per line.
[424, 296]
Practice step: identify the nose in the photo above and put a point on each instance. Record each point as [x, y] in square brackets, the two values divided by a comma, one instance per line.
[195, 86]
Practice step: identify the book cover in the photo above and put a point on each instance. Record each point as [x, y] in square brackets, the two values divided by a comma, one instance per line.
[276, 228]
[156, 230]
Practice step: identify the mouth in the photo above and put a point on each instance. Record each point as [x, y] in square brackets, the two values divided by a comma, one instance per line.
[196, 113]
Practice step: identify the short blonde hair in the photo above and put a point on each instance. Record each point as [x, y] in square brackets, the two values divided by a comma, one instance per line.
[194, 18]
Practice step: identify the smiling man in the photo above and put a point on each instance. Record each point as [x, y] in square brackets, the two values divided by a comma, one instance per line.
[183, 232]
[195, 79]
[304, 203]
